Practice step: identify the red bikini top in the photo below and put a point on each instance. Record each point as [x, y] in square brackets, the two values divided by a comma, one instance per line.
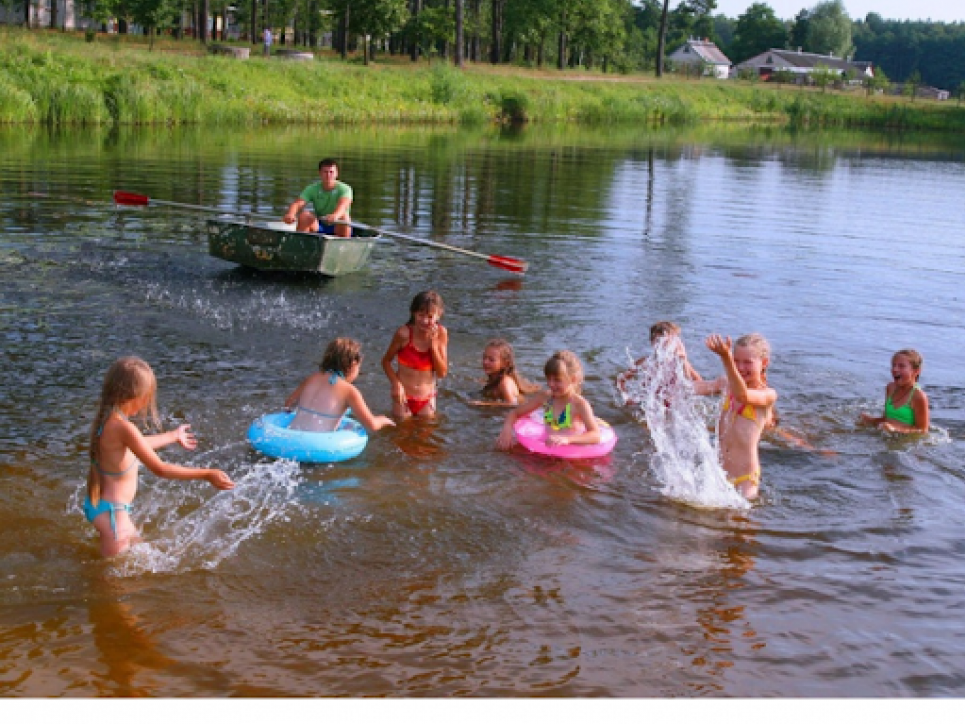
[412, 358]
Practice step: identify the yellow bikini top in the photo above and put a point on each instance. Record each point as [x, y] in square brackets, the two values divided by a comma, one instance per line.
[745, 409]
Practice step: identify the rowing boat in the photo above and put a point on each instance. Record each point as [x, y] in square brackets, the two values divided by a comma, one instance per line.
[276, 246]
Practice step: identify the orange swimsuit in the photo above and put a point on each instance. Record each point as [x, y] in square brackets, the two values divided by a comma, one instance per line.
[412, 358]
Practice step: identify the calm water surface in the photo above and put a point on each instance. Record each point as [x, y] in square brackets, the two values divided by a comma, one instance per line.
[431, 565]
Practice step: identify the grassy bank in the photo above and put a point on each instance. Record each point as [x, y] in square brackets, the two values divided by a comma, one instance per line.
[58, 79]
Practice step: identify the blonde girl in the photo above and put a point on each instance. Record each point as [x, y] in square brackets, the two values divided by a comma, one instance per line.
[117, 445]
[324, 397]
[421, 346]
[906, 404]
[747, 409]
[566, 412]
[504, 385]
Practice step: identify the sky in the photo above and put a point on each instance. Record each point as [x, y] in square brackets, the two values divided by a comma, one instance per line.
[948, 11]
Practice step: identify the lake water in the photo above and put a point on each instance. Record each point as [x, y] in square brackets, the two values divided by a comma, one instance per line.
[433, 565]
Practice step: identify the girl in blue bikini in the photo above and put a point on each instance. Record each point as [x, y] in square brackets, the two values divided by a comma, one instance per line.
[906, 404]
[567, 414]
[325, 397]
[116, 447]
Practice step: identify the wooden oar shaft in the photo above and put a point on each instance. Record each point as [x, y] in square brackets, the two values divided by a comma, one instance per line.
[125, 198]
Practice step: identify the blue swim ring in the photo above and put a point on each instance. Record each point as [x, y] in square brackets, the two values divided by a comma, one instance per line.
[270, 436]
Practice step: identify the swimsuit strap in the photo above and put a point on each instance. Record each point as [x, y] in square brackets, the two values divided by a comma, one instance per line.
[93, 459]
[334, 376]
[317, 413]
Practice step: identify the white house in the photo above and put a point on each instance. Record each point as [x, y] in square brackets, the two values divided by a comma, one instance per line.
[802, 64]
[703, 53]
[69, 16]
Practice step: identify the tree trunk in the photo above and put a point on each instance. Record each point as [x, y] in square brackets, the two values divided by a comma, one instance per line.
[254, 22]
[203, 21]
[416, 8]
[475, 49]
[496, 49]
[561, 60]
[53, 14]
[344, 33]
[457, 56]
[662, 37]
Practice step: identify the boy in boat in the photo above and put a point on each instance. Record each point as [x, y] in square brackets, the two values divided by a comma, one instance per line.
[330, 200]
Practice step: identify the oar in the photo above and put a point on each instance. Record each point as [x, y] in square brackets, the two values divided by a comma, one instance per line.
[126, 198]
[517, 266]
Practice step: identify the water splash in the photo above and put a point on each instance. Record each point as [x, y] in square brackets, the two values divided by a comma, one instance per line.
[686, 459]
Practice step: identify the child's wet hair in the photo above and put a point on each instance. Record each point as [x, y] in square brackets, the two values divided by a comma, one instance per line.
[757, 342]
[663, 329]
[507, 359]
[340, 355]
[566, 363]
[427, 301]
[327, 162]
[129, 378]
[913, 356]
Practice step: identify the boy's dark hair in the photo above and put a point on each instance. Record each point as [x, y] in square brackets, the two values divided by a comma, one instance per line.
[663, 329]
[327, 162]
[340, 355]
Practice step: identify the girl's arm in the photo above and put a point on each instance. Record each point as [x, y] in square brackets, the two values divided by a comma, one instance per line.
[293, 398]
[583, 412]
[361, 411]
[919, 403]
[507, 435]
[181, 434]
[508, 390]
[397, 343]
[438, 346]
[710, 387]
[872, 420]
[738, 388]
[132, 438]
[692, 374]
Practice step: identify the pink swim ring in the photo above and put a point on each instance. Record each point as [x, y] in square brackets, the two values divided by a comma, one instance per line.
[531, 432]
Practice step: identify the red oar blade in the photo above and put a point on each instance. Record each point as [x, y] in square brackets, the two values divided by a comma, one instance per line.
[126, 198]
[517, 266]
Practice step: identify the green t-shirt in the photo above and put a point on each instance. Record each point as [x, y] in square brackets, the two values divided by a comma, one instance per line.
[324, 202]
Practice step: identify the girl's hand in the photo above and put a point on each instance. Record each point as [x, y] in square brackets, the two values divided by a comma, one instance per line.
[554, 439]
[185, 437]
[383, 421]
[398, 393]
[867, 419]
[506, 438]
[888, 427]
[219, 479]
[719, 345]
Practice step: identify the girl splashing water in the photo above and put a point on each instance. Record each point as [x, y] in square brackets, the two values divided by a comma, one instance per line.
[747, 409]
[116, 446]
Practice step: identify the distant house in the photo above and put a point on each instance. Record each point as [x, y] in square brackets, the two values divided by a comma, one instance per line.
[921, 91]
[702, 53]
[803, 64]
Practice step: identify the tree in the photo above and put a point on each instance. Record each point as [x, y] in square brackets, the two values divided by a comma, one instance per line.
[799, 30]
[877, 83]
[829, 29]
[961, 92]
[822, 77]
[457, 55]
[662, 37]
[757, 31]
[912, 85]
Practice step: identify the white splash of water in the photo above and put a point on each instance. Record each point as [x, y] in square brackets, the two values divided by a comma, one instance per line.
[686, 461]
[196, 531]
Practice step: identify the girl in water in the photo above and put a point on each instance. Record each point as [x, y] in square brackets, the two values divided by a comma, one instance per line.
[906, 404]
[116, 447]
[566, 413]
[324, 397]
[504, 385]
[748, 406]
[421, 345]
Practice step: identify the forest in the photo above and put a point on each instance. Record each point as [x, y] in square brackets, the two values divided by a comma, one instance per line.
[613, 36]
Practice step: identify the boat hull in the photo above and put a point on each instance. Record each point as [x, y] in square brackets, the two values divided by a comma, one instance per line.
[274, 246]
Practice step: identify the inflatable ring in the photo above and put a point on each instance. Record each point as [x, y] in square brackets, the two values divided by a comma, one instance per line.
[270, 436]
[531, 432]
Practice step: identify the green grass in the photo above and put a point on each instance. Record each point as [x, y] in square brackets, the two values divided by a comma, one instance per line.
[58, 79]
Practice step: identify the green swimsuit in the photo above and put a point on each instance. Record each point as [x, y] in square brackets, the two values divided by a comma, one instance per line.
[904, 414]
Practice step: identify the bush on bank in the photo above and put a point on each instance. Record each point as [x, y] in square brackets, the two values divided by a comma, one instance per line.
[57, 78]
